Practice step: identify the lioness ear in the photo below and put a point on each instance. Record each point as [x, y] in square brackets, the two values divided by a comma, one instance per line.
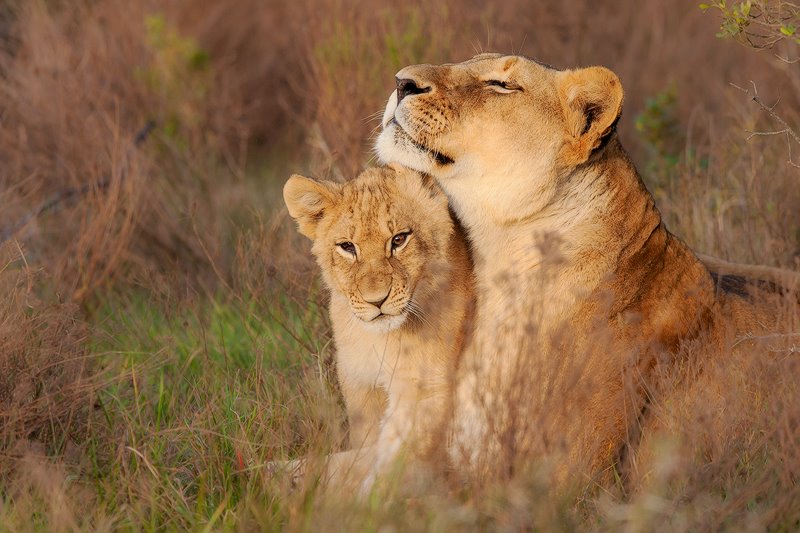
[307, 201]
[592, 102]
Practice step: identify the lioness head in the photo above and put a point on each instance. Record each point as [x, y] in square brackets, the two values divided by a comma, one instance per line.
[504, 129]
[378, 239]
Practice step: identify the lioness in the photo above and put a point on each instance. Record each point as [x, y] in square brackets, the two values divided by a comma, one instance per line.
[580, 288]
[400, 282]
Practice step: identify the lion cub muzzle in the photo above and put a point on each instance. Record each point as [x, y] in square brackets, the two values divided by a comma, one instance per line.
[374, 290]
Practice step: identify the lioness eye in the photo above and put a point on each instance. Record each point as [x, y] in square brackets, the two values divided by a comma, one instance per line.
[399, 240]
[348, 247]
[503, 86]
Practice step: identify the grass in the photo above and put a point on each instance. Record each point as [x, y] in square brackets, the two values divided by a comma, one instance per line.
[197, 396]
[206, 395]
[162, 339]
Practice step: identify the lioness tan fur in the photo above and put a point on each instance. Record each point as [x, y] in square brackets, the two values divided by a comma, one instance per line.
[399, 275]
[581, 290]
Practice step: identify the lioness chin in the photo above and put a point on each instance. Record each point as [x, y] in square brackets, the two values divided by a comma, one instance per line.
[586, 305]
[401, 292]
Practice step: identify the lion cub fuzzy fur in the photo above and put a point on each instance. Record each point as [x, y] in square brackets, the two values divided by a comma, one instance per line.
[399, 274]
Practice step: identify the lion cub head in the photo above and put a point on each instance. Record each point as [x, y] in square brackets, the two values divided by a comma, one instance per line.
[379, 240]
[504, 129]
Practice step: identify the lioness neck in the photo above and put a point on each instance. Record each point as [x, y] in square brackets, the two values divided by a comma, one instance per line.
[602, 225]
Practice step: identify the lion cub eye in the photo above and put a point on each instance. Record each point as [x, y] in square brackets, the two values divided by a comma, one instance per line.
[347, 247]
[399, 240]
[503, 87]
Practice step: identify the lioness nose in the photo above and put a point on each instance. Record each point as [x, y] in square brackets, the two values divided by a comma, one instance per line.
[406, 86]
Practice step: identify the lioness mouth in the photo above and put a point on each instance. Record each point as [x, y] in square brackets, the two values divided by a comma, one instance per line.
[439, 157]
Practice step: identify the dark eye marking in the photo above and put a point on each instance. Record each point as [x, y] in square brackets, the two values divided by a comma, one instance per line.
[348, 247]
[400, 239]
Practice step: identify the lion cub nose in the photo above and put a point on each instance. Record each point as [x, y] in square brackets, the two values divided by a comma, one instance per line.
[406, 86]
[376, 298]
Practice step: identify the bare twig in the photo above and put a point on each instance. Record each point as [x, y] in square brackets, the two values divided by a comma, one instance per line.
[787, 130]
[787, 60]
[755, 133]
[72, 193]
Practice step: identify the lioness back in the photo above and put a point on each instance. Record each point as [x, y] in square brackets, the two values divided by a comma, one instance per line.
[400, 280]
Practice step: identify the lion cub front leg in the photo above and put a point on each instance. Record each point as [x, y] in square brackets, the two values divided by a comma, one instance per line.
[365, 405]
[412, 424]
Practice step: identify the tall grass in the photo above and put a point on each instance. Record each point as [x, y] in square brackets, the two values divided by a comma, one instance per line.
[162, 330]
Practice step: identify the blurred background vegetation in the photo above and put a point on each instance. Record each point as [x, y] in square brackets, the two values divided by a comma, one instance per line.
[162, 332]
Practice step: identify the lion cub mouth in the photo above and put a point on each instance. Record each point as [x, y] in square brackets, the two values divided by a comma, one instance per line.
[383, 323]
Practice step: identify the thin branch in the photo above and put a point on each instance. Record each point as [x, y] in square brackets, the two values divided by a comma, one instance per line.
[787, 129]
[755, 133]
[789, 147]
[72, 193]
[787, 60]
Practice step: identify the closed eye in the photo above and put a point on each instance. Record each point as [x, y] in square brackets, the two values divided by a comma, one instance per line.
[503, 87]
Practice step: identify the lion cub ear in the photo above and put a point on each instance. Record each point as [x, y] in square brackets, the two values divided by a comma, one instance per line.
[307, 201]
[591, 99]
[424, 182]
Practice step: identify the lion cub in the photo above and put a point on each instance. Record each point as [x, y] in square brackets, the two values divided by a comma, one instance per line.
[401, 291]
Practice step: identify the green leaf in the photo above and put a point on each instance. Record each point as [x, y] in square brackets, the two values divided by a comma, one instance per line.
[704, 6]
[745, 8]
[788, 30]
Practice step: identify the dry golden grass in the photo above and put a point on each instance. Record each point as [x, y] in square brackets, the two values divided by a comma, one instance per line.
[162, 333]
[45, 390]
